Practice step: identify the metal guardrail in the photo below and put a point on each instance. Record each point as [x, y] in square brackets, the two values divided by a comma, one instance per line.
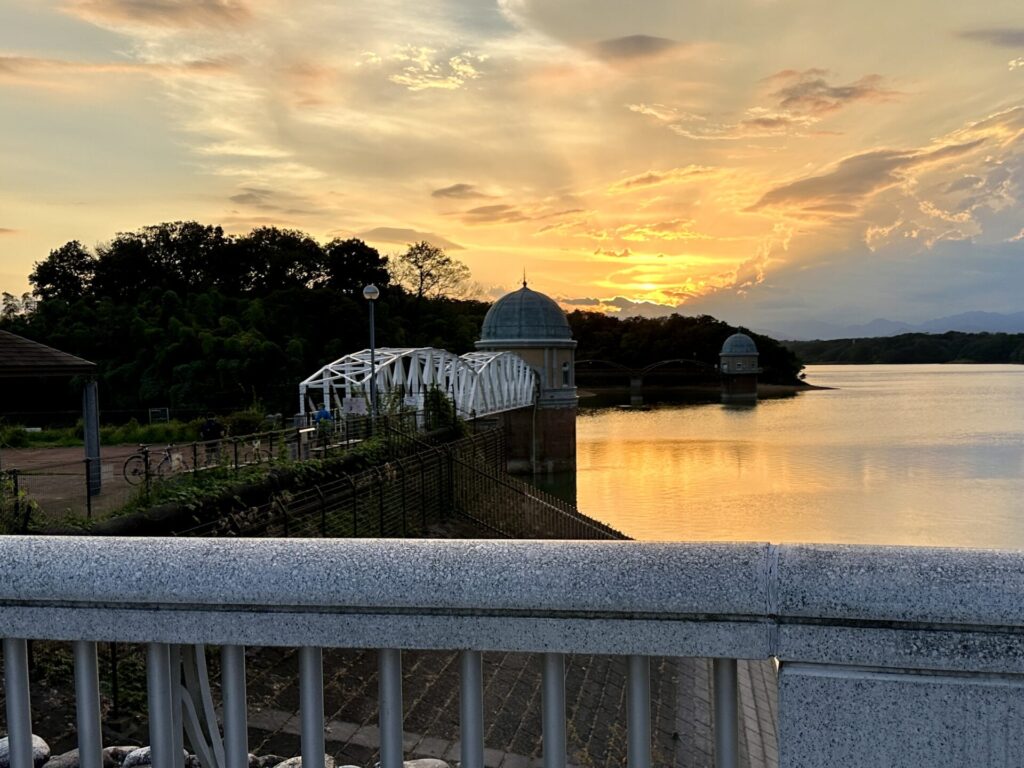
[412, 491]
[91, 488]
[876, 624]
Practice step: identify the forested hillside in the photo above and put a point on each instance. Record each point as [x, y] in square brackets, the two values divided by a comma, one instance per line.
[184, 316]
[916, 348]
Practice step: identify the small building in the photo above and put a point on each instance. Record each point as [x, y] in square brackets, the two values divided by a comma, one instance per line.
[32, 362]
[739, 369]
[533, 326]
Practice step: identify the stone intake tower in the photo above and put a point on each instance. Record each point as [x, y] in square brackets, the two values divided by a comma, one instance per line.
[528, 323]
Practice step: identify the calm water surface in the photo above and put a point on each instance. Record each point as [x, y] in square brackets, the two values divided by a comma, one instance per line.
[906, 454]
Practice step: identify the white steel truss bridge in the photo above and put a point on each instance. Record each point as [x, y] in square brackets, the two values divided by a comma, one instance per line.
[477, 383]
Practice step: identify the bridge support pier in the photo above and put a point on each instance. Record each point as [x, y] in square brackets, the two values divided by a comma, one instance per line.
[540, 440]
[636, 390]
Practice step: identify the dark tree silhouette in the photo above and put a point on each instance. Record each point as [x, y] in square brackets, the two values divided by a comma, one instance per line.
[349, 265]
[66, 274]
[426, 271]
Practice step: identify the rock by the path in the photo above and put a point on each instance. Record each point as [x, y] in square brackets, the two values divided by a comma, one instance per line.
[40, 752]
[142, 756]
[296, 762]
[269, 761]
[423, 762]
[117, 754]
[66, 760]
[111, 759]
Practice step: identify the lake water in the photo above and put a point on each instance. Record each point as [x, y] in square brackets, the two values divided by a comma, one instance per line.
[903, 454]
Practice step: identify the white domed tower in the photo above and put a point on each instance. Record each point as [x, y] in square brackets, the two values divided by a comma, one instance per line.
[533, 326]
[738, 365]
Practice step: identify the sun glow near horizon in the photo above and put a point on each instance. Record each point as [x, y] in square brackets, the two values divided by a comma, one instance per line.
[798, 160]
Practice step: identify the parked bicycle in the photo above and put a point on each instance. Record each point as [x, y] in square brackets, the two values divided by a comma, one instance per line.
[154, 464]
[253, 453]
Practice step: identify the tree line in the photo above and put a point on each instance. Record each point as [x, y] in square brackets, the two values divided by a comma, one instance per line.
[950, 347]
[183, 315]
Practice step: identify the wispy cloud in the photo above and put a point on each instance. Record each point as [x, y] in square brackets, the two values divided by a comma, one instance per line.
[489, 214]
[801, 99]
[460, 191]
[855, 178]
[808, 93]
[54, 73]
[268, 199]
[423, 68]
[1003, 37]
[655, 178]
[406, 236]
[676, 229]
[633, 47]
[173, 14]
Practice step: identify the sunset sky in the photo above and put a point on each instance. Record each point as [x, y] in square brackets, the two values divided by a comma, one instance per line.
[764, 161]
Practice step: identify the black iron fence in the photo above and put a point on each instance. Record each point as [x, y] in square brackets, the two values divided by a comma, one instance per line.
[53, 486]
[409, 494]
[511, 508]
[419, 485]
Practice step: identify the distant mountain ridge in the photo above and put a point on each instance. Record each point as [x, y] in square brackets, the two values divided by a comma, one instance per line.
[966, 322]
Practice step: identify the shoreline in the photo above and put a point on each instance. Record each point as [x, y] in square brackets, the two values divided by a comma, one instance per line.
[703, 392]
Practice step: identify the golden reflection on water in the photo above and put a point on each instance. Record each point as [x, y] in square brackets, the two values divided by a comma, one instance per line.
[926, 455]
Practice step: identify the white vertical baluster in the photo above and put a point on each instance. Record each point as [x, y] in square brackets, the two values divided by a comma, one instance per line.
[19, 706]
[638, 709]
[311, 706]
[87, 705]
[471, 710]
[177, 730]
[236, 729]
[158, 689]
[726, 714]
[553, 706]
[391, 716]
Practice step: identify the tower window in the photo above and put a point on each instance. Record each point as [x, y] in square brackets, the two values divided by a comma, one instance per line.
[565, 374]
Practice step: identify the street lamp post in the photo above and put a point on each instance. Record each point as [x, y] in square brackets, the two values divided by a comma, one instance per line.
[370, 293]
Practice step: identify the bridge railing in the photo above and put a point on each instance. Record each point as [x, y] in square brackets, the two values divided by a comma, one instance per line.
[888, 656]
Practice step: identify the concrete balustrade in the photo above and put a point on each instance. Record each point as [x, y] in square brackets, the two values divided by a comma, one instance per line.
[888, 656]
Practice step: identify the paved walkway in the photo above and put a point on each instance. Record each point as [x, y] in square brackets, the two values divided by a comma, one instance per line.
[595, 700]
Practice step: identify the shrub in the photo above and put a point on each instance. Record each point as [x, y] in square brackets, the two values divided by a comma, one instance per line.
[244, 422]
[13, 436]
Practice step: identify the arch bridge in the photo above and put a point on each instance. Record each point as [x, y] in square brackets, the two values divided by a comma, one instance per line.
[477, 383]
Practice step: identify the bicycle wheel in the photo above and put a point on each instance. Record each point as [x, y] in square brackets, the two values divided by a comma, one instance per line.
[135, 469]
[164, 468]
[256, 456]
[178, 461]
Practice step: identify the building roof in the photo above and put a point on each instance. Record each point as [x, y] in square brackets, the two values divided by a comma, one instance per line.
[739, 344]
[21, 357]
[525, 315]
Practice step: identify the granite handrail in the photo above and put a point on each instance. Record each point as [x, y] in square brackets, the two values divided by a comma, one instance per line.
[717, 599]
[858, 631]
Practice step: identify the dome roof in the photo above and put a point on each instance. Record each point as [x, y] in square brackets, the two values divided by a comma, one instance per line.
[739, 344]
[525, 314]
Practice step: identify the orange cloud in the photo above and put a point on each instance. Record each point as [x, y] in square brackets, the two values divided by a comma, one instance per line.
[655, 178]
[53, 73]
[173, 14]
[855, 178]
